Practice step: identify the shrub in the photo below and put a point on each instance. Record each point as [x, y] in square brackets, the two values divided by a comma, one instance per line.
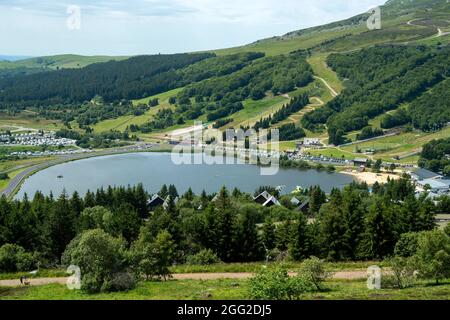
[14, 258]
[433, 255]
[402, 273]
[313, 271]
[122, 282]
[447, 229]
[203, 258]
[25, 261]
[276, 284]
[272, 285]
[99, 256]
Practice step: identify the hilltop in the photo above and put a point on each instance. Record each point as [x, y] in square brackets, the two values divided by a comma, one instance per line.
[49, 63]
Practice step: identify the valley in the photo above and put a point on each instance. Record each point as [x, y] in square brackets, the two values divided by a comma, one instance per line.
[89, 174]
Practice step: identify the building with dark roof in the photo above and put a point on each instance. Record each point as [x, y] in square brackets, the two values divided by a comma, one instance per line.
[424, 174]
[155, 202]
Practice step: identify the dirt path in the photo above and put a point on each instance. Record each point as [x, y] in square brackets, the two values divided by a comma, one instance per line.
[340, 275]
[439, 30]
[333, 92]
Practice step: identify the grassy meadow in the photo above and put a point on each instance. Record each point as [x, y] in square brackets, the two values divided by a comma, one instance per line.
[227, 289]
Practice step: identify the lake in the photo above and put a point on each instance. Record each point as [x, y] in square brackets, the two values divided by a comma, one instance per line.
[155, 169]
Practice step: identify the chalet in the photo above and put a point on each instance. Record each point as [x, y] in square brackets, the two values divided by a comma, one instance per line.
[424, 174]
[267, 200]
[262, 198]
[155, 202]
[443, 219]
[360, 162]
[295, 201]
[304, 206]
[166, 202]
[272, 201]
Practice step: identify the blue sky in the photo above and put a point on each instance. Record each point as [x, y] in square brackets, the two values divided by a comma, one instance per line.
[129, 27]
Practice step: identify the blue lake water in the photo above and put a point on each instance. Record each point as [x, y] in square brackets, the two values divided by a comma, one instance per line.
[155, 169]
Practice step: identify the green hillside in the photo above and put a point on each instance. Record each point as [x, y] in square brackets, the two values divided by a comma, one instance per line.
[356, 81]
[48, 63]
[352, 33]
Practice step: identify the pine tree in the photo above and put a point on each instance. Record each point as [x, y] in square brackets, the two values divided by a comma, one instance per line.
[173, 193]
[164, 192]
[268, 235]
[299, 246]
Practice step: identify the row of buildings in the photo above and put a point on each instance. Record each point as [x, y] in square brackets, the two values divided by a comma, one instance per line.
[265, 199]
[433, 183]
[34, 139]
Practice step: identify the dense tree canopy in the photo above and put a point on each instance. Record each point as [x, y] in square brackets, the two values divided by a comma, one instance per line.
[435, 156]
[379, 79]
[349, 224]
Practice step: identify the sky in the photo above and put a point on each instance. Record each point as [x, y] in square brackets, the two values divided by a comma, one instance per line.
[131, 27]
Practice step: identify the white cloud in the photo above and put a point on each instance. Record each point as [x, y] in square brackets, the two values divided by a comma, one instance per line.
[149, 26]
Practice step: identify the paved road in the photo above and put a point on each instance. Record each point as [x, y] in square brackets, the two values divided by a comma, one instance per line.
[18, 179]
[340, 275]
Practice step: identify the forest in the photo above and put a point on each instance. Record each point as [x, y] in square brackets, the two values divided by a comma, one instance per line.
[435, 156]
[349, 224]
[380, 79]
[135, 78]
[294, 106]
[221, 96]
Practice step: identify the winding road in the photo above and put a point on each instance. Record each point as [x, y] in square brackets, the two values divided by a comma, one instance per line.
[439, 30]
[19, 178]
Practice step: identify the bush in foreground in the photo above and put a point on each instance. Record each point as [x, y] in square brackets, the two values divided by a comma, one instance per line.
[433, 255]
[277, 284]
[203, 258]
[403, 273]
[101, 259]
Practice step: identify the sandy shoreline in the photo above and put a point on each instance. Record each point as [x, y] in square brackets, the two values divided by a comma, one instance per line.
[370, 177]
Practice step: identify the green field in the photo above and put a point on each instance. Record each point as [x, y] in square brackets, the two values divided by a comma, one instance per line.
[283, 45]
[401, 145]
[321, 69]
[59, 61]
[121, 123]
[333, 153]
[27, 119]
[228, 290]
[255, 110]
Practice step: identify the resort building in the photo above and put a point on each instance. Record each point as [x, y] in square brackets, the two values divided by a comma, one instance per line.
[360, 162]
[438, 186]
[424, 174]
